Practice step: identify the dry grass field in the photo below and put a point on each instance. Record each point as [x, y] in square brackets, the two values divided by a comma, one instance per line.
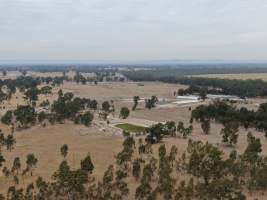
[45, 142]
[243, 76]
[121, 90]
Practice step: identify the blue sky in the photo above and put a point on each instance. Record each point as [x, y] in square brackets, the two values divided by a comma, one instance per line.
[133, 29]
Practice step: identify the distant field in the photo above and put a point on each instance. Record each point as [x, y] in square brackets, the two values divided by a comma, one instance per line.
[131, 128]
[243, 76]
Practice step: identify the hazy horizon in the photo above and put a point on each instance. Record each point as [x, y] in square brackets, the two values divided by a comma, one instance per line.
[133, 62]
[133, 30]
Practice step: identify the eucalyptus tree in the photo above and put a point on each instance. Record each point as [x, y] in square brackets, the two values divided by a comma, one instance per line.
[16, 166]
[136, 170]
[31, 162]
[151, 103]
[87, 164]
[205, 125]
[135, 100]
[9, 142]
[7, 117]
[106, 106]
[64, 150]
[32, 94]
[198, 164]
[124, 112]
[2, 160]
[2, 140]
[230, 133]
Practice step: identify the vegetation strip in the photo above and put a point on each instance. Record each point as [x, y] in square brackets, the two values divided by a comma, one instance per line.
[131, 128]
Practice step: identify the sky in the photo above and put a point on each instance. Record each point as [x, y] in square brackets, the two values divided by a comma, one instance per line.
[133, 29]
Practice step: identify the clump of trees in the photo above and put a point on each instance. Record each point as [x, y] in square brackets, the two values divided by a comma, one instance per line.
[184, 131]
[7, 117]
[193, 89]
[124, 112]
[151, 103]
[68, 107]
[9, 141]
[135, 100]
[87, 164]
[106, 106]
[45, 103]
[205, 125]
[25, 115]
[29, 86]
[229, 116]
[100, 76]
[216, 179]
[31, 94]
[46, 90]
[156, 132]
[85, 118]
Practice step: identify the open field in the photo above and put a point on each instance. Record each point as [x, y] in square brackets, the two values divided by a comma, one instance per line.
[104, 141]
[122, 90]
[243, 76]
[45, 143]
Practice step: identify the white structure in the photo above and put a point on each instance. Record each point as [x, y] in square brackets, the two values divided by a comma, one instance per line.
[224, 97]
[187, 99]
[190, 99]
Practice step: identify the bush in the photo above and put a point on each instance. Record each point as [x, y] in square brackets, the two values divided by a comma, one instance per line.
[41, 116]
[7, 117]
[84, 119]
[124, 113]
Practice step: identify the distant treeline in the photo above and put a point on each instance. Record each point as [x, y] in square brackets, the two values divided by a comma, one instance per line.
[172, 73]
[151, 70]
[241, 88]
